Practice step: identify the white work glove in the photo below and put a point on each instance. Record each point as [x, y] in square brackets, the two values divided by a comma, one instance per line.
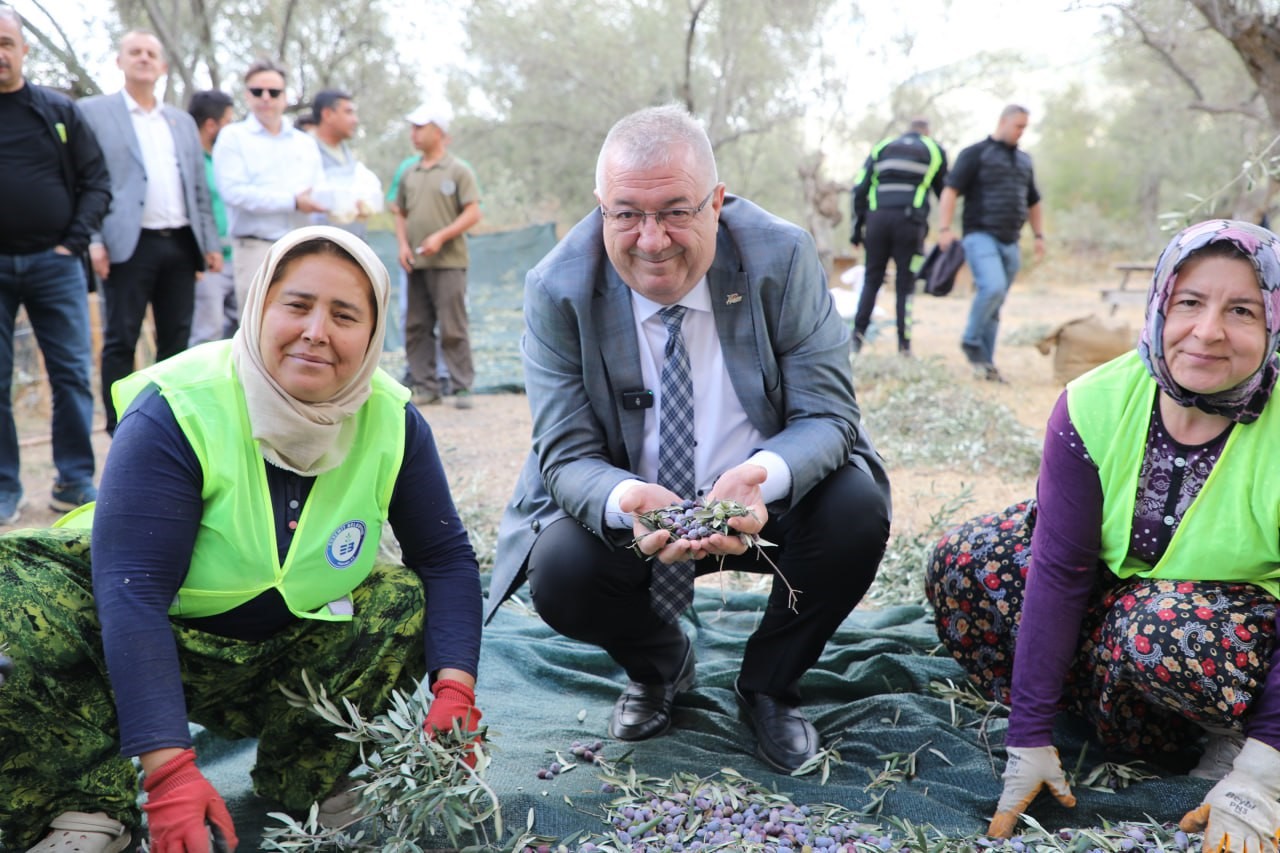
[1240, 814]
[1028, 769]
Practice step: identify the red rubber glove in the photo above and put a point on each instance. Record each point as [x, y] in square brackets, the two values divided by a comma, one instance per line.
[454, 701]
[182, 808]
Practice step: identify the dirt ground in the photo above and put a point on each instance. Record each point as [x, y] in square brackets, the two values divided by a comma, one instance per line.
[484, 447]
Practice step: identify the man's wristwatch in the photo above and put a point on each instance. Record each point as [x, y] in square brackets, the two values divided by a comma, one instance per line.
[1039, 236]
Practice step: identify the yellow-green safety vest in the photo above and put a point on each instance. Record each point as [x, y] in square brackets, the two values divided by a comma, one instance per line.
[235, 557]
[1230, 532]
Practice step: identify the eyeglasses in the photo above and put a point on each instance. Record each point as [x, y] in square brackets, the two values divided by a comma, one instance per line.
[258, 92]
[672, 219]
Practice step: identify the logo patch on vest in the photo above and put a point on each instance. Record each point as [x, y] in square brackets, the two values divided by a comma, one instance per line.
[345, 543]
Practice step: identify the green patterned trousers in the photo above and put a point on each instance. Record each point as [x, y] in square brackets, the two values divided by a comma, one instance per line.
[59, 738]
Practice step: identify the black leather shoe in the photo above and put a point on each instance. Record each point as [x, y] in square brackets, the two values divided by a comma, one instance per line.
[644, 710]
[785, 739]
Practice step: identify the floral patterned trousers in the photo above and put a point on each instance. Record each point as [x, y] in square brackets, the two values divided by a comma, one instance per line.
[1157, 659]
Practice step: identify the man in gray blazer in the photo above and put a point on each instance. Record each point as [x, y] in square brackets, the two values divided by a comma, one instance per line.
[774, 427]
[160, 231]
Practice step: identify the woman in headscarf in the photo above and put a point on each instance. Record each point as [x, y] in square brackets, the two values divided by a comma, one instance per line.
[1150, 605]
[233, 547]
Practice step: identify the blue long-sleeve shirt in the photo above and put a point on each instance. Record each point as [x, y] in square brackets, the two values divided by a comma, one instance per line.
[145, 524]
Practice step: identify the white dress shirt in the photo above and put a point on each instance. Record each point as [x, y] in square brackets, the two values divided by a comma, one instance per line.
[164, 205]
[723, 435]
[259, 175]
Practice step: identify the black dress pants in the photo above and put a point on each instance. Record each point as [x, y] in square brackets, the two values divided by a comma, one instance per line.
[161, 271]
[890, 234]
[829, 547]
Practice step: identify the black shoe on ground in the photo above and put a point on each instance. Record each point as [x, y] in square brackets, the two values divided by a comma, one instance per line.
[785, 739]
[65, 498]
[988, 373]
[644, 710]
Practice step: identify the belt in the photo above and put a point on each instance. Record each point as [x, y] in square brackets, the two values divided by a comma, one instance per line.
[166, 233]
[255, 239]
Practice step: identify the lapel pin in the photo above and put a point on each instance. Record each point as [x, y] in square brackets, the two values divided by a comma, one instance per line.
[733, 299]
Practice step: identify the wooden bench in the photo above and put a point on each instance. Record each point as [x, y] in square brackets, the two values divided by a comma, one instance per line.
[1122, 295]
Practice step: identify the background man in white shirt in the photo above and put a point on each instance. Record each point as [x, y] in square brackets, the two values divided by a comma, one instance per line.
[160, 229]
[266, 171]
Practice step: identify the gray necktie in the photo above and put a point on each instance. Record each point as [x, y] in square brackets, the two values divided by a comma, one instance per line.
[671, 590]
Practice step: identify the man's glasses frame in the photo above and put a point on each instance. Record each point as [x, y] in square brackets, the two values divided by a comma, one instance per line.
[672, 218]
[258, 91]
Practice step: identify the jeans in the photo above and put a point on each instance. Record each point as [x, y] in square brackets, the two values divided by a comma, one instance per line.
[52, 287]
[994, 265]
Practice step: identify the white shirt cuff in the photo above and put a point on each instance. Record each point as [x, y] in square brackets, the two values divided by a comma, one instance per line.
[614, 517]
[777, 484]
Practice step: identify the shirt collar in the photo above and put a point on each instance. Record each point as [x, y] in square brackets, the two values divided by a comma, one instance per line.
[286, 126]
[134, 107]
[698, 299]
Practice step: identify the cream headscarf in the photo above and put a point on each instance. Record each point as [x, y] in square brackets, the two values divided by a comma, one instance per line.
[307, 438]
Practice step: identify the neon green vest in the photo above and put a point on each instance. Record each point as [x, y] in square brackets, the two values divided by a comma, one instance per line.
[1230, 532]
[922, 190]
[235, 554]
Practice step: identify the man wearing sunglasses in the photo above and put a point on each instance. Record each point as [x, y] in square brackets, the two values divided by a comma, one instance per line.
[266, 170]
[680, 345]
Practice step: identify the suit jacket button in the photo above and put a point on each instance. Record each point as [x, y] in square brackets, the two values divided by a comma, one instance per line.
[536, 525]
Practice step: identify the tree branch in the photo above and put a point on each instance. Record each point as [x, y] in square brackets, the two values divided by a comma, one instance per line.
[696, 8]
[82, 82]
[164, 32]
[1166, 56]
[201, 12]
[285, 27]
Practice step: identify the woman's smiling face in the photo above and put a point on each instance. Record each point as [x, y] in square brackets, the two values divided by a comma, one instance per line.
[317, 323]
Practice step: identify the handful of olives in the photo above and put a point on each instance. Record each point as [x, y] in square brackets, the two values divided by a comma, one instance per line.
[694, 521]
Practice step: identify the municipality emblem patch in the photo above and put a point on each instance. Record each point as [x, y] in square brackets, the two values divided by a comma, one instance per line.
[345, 544]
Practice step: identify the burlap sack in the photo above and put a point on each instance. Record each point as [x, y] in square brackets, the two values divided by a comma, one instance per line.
[1082, 344]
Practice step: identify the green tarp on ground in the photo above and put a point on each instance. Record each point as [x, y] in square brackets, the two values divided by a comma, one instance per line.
[870, 690]
[495, 298]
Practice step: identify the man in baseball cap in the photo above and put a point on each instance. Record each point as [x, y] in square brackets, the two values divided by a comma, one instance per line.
[438, 201]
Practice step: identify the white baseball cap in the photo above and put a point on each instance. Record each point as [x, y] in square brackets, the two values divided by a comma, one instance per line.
[438, 114]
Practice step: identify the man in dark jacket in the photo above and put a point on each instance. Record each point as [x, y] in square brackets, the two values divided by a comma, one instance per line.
[57, 189]
[890, 215]
[999, 189]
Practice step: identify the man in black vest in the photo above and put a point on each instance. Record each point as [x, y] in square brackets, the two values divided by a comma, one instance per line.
[891, 203]
[999, 187]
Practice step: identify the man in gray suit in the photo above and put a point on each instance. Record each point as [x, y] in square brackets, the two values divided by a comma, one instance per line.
[774, 427]
[160, 230]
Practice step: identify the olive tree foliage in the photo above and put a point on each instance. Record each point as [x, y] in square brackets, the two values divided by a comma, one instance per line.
[1122, 161]
[1184, 128]
[545, 80]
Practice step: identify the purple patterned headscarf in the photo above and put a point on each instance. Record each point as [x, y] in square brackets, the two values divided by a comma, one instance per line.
[1243, 403]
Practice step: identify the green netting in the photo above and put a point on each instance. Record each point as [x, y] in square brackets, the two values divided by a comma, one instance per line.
[870, 690]
[495, 298]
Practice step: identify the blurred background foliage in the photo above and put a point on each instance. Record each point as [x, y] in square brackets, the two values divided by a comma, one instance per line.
[1176, 122]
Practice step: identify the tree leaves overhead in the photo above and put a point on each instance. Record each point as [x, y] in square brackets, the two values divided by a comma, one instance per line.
[549, 77]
